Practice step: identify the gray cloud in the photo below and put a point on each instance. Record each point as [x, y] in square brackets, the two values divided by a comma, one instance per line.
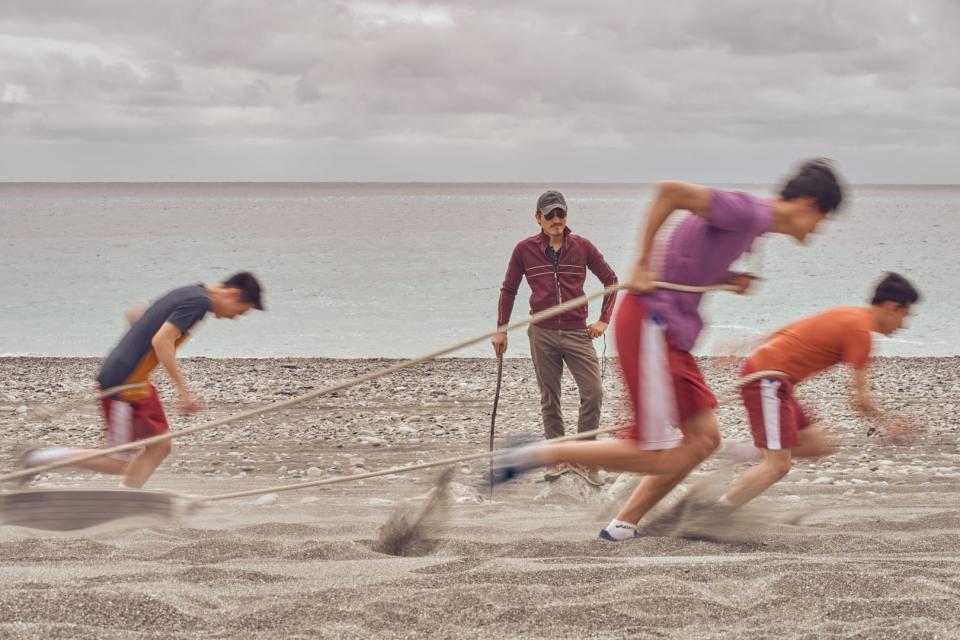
[745, 80]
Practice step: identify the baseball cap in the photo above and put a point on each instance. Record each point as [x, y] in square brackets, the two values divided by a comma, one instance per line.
[551, 200]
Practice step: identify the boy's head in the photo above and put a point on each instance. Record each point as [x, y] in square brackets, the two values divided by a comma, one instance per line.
[242, 293]
[817, 181]
[893, 297]
[816, 192]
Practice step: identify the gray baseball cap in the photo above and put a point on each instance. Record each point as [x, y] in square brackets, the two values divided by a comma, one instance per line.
[551, 200]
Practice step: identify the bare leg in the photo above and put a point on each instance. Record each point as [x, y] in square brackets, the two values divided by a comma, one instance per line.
[776, 464]
[701, 437]
[813, 443]
[135, 471]
[139, 470]
[111, 466]
[613, 455]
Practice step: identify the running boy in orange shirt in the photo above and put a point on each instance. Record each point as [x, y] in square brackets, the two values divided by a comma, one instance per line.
[781, 429]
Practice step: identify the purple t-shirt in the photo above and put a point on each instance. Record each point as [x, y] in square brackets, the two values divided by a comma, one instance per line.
[699, 252]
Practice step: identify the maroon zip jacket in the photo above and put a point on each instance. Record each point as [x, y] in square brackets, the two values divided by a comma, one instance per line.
[548, 286]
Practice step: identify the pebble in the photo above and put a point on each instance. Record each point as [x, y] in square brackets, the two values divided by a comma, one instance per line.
[822, 480]
[373, 440]
[309, 500]
[267, 500]
[314, 472]
[380, 502]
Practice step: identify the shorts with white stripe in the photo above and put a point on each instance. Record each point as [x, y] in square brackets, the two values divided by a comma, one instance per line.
[776, 417]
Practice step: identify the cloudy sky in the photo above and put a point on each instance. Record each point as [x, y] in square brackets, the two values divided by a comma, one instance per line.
[478, 90]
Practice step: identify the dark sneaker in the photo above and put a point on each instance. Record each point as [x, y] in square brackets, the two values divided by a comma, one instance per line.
[605, 535]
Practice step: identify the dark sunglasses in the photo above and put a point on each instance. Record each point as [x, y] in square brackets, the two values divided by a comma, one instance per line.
[560, 213]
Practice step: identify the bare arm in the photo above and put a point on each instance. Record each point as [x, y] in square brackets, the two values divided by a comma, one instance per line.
[862, 400]
[671, 196]
[165, 345]
[134, 313]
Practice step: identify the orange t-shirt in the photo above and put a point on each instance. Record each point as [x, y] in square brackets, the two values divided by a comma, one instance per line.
[808, 346]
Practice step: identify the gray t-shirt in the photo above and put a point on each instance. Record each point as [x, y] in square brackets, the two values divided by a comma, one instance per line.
[183, 307]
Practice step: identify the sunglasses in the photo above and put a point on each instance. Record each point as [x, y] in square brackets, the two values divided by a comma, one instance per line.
[560, 213]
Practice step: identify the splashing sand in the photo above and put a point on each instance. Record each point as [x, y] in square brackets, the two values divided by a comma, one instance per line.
[698, 516]
[407, 533]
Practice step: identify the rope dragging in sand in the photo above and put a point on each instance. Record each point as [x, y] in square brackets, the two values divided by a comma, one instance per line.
[449, 461]
[283, 404]
[71, 509]
[47, 413]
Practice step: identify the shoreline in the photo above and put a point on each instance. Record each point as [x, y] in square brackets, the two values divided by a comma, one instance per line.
[870, 523]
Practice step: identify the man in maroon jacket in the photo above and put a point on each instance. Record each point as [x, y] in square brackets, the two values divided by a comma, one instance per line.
[555, 263]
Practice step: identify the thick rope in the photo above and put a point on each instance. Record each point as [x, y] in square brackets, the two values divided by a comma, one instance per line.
[283, 404]
[448, 461]
[46, 413]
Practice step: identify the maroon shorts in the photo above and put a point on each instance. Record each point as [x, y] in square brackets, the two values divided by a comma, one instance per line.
[665, 385]
[776, 418]
[130, 420]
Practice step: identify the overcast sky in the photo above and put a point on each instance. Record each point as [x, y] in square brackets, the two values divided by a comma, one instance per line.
[478, 90]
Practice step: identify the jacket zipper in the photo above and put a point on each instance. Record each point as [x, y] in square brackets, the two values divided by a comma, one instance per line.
[556, 279]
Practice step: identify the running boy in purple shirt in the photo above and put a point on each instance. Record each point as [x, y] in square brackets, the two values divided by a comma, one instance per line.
[674, 426]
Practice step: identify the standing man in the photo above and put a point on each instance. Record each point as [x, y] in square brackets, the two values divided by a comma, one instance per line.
[555, 263]
[154, 335]
[674, 424]
[781, 429]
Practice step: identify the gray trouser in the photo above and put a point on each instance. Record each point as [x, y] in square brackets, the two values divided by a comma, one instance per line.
[550, 349]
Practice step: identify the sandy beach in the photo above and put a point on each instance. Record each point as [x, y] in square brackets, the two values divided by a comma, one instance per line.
[862, 544]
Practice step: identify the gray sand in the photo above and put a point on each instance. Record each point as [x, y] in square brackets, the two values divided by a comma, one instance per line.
[875, 555]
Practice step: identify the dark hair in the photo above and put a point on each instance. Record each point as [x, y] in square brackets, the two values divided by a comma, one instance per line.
[815, 179]
[250, 289]
[895, 288]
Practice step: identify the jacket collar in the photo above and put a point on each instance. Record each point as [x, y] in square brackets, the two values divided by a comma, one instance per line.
[543, 239]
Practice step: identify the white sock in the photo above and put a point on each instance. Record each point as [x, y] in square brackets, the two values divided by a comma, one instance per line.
[124, 485]
[620, 530]
[46, 456]
[724, 501]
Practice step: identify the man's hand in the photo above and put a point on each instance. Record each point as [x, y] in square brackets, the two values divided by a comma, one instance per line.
[596, 329]
[187, 402]
[742, 282]
[642, 279]
[499, 343]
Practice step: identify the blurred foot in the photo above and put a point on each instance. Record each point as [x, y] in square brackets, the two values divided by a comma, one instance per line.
[24, 461]
[516, 460]
[618, 531]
